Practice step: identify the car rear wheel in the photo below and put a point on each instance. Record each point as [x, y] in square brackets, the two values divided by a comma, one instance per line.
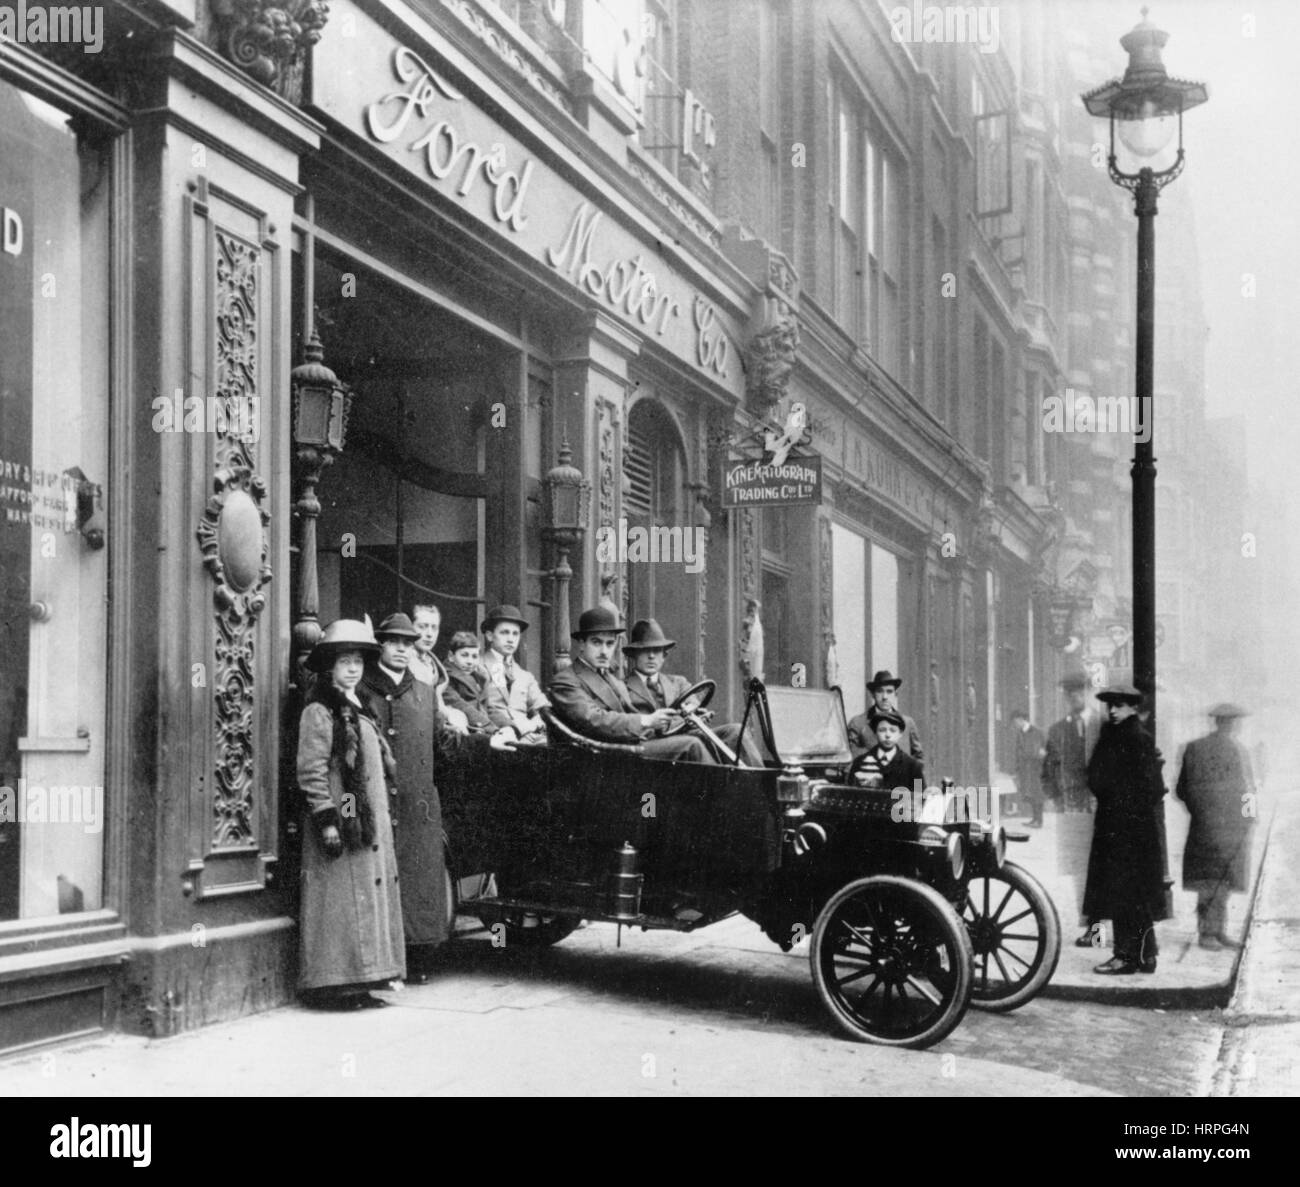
[1015, 935]
[892, 962]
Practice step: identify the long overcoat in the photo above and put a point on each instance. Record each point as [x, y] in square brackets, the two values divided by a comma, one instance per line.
[1215, 776]
[350, 929]
[407, 713]
[1126, 862]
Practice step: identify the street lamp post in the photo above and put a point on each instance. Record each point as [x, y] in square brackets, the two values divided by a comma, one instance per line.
[1145, 104]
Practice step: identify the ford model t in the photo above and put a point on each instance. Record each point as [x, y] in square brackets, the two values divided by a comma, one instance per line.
[912, 910]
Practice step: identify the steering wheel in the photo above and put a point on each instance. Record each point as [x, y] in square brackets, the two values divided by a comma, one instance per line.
[703, 691]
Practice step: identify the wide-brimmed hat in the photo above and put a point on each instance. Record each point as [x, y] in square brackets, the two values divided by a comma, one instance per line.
[877, 715]
[343, 634]
[1228, 709]
[1120, 694]
[503, 614]
[596, 621]
[461, 640]
[646, 634]
[883, 677]
[398, 626]
[1074, 682]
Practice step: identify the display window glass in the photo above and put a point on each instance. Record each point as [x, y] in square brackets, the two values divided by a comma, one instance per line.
[54, 518]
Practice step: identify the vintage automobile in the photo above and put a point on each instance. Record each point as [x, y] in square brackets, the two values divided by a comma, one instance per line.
[912, 911]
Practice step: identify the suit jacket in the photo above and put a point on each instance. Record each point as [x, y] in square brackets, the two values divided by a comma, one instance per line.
[644, 699]
[862, 736]
[506, 703]
[465, 691]
[901, 771]
[593, 705]
[1066, 763]
[1030, 751]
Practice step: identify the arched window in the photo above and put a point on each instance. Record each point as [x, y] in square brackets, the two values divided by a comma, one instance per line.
[655, 498]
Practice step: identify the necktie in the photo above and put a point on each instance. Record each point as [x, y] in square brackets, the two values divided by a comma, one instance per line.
[1078, 726]
[657, 689]
[510, 674]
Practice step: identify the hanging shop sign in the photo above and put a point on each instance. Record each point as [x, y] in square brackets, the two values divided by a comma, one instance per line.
[752, 484]
[776, 471]
[408, 103]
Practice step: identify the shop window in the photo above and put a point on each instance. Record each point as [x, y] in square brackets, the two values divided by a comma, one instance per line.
[850, 608]
[54, 199]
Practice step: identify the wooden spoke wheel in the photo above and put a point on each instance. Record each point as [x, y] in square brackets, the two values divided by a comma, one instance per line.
[892, 962]
[1015, 935]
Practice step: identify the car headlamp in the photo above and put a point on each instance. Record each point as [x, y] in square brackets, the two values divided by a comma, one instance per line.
[956, 856]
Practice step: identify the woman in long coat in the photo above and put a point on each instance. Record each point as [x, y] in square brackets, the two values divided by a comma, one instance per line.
[1126, 863]
[1214, 783]
[351, 913]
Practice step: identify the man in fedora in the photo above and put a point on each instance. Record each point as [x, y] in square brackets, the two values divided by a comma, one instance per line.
[590, 699]
[651, 688]
[883, 688]
[1070, 742]
[406, 711]
[1216, 783]
[512, 695]
[1126, 863]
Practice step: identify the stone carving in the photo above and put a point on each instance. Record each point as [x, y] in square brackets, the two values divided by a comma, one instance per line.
[769, 361]
[267, 38]
[501, 43]
[234, 542]
[662, 194]
[751, 639]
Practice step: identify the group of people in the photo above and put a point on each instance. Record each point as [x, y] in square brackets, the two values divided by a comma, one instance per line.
[1113, 770]
[382, 711]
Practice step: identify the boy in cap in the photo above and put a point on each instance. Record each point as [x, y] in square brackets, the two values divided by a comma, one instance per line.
[1215, 783]
[467, 682]
[512, 695]
[883, 688]
[886, 764]
[591, 700]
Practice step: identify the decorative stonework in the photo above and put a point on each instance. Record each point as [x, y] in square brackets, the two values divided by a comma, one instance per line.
[768, 364]
[235, 545]
[679, 209]
[267, 38]
[607, 480]
[500, 42]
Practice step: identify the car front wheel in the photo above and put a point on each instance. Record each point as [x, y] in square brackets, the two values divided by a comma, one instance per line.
[892, 962]
[1015, 934]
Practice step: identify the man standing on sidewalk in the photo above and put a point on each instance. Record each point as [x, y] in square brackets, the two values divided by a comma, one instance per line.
[1031, 748]
[1070, 743]
[1217, 785]
[1126, 880]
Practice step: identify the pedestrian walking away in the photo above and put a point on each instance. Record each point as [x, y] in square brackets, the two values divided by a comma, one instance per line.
[1031, 749]
[1125, 864]
[1217, 785]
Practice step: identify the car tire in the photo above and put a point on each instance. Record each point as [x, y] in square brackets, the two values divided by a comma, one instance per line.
[1015, 936]
[907, 937]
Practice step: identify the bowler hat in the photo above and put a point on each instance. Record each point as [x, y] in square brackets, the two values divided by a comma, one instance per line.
[343, 634]
[647, 633]
[883, 677]
[1075, 682]
[1120, 694]
[1228, 709]
[877, 715]
[598, 620]
[503, 614]
[397, 626]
